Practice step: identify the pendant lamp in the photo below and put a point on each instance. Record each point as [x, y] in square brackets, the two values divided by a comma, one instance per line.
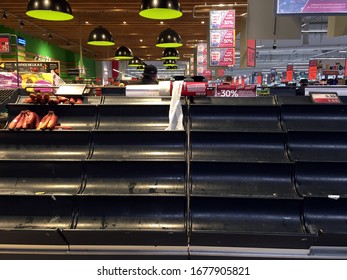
[100, 36]
[140, 67]
[169, 39]
[55, 10]
[170, 53]
[172, 67]
[135, 61]
[160, 9]
[123, 53]
[169, 62]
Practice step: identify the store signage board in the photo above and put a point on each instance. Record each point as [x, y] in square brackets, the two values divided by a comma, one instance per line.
[221, 51]
[30, 67]
[222, 19]
[251, 57]
[325, 98]
[236, 91]
[5, 44]
[201, 58]
[311, 7]
[251, 53]
[224, 38]
[224, 57]
[71, 89]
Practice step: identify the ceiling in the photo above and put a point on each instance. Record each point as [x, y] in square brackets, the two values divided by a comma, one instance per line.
[122, 18]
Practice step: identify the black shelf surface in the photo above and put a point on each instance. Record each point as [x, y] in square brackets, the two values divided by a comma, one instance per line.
[252, 180]
[48, 145]
[138, 145]
[147, 178]
[238, 146]
[265, 172]
[40, 177]
[265, 118]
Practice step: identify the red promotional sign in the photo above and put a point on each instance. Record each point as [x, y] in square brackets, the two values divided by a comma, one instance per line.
[251, 44]
[222, 38]
[222, 19]
[236, 90]
[312, 70]
[251, 57]
[5, 44]
[289, 75]
[222, 57]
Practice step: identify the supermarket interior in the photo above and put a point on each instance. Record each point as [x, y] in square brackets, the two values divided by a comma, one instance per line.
[174, 129]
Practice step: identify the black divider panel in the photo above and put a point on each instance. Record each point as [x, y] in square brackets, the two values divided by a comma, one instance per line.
[139, 145]
[76, 117]
[230, 215]
[254, 240]
[235, 118]
[40, 177]
[135, 178]
[238, 146]
[314, 117]
[293, 100]
[133, 117]
[317, 146]
[129, 220]
[35, 212]
[126, 100]
[268, 100]
[49, 237]
[320, 179]
[325, 215]
[47, 145]
[256, 180]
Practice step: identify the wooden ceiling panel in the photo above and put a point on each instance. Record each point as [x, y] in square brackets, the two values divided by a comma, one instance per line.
[123, 20]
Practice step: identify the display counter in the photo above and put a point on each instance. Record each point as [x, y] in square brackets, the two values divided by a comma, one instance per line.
[250, 177]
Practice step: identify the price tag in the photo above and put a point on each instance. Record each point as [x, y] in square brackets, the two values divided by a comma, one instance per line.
[327, 97]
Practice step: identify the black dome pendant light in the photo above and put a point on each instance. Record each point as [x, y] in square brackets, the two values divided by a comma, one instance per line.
[135, 62]
[169, 39]
[170, 53]
[123, 53]
[160, 9]
[100, 36]
[54, 10]
[169, 62]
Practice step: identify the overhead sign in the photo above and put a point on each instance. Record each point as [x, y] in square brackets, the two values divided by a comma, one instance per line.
[222, 19]
[222, 38]
[285, 7]
[224, 57]
[5, 44]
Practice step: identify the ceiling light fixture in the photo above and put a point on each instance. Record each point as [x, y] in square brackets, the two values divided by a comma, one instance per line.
[170, 53]
[169, 38]
[54, 10]
[135, 62]
[4, 15]
[50, 36]
[100, 36]
[123, 53]
[169, 62]
[160, 9]
[175, 67]
[21, 24]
